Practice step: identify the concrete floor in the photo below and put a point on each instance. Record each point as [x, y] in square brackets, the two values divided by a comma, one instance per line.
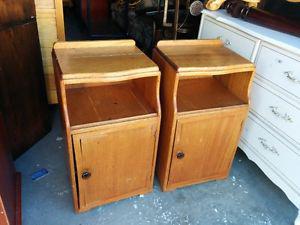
[246, 197]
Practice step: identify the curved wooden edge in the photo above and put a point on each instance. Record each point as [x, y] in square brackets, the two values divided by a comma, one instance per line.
[61, 94]
[222, 70]
[92, 44]
[169, 84]
[108, 77]
[197, 42]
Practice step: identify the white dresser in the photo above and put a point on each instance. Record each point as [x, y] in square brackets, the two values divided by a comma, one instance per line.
[271, 136]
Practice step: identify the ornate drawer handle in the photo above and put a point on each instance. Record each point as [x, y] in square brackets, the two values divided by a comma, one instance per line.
[272, 149]
[285, 116]
[289, 75]
[227, 43]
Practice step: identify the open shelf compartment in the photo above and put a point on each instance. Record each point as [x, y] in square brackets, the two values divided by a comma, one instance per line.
[213, 92]
[94, 104]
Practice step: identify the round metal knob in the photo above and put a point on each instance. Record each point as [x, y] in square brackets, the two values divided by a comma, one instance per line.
[85, 175]
[180, 155]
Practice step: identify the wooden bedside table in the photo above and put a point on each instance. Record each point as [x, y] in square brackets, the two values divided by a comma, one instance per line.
[204, 98]
[109, 97]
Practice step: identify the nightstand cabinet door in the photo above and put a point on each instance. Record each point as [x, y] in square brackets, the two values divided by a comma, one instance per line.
[204, 146]
[115, 161]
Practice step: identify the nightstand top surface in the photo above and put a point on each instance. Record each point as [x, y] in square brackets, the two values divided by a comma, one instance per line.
[202, 56]
[99, 59]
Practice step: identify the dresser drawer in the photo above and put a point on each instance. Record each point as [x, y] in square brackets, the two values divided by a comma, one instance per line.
[273, 151]
[279, 113]
[279, 69]
[241, 44]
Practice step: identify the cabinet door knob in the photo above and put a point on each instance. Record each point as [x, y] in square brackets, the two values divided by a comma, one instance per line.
[86, 175]
[180, 155]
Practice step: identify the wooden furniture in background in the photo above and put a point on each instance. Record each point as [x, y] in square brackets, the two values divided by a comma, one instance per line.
[50, 21]
[204, 97]
[271, 134]
[252, 3]
[23, 100]
[68, 3]
[10, 183]
[93, 13]
[266, 19]
[109, 97]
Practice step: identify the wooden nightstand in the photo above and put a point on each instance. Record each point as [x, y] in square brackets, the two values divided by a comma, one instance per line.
[109, 97]
[204, 97]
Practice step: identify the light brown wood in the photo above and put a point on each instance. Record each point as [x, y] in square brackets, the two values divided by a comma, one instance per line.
[204, 97]
[169, 83]
[60, 24]
[124, 59]
[104, 103]
[209, 142]
[111, 125]
[205, 93]
[49, 14]
[252, 3]
[117, 162]
[214, 4]
[202, 56]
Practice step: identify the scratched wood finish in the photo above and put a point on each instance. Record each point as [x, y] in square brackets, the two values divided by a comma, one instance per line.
[102, 103]
[204, 97]
[110, 110]
[209, 142]
[119, 159]
[15, 11]
[23, 98]
[124, 59]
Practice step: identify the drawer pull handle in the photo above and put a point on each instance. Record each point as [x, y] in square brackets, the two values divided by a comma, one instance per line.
[272, 149]
[289, 75]
[86, 175]
[180, 155]
[285, 116]
[227, 43]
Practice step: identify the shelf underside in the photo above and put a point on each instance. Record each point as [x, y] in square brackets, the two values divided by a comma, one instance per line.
[90, 105]
[204, 93]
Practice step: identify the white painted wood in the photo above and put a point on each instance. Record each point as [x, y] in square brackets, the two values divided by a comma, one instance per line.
[281, 115]
[240, 43]
[270, 172]
[274, 151]
[297, 221]
[271, 135]
[285, 41]
[280, 69]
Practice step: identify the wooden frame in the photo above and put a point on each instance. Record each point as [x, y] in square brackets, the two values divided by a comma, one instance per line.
[60, 23]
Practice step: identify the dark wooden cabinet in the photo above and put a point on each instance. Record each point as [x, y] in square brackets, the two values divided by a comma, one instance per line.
[23, 100]
[93, 13]
[14, 12]
[10, 196]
